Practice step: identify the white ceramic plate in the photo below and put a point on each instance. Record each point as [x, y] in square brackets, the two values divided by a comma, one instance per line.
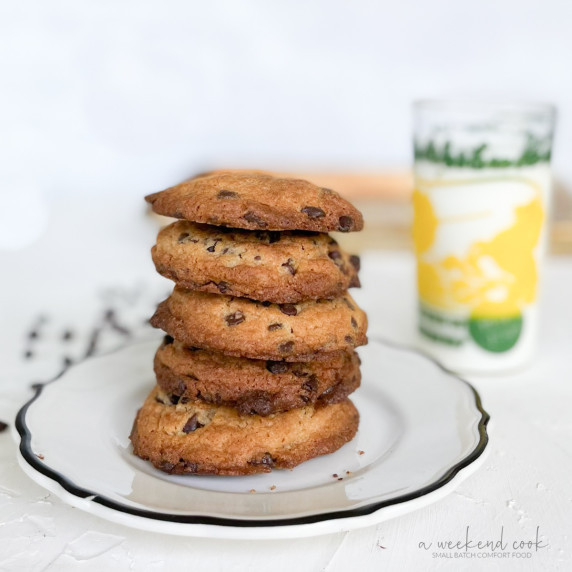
[421, 431]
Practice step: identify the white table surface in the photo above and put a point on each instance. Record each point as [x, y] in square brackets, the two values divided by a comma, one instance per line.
[89, 259]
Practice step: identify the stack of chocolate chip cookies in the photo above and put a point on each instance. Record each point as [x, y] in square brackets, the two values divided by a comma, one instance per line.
[258, 360]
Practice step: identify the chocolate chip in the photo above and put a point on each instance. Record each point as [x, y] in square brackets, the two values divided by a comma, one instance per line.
[174, 398]
[286, 347]
[276, 366]
[166, 466]
[235, 319]
[183, 236]
[225, 250]
[349, 339]
[257, 257]
[266, 304]
[311, 384]
[192, 424]
[255, 403]
[254, 219]
[349, 304]
[355, 261]
[168, 340]
[211, 248]
[313, 212]
[335, 255]
[223, 287]
[266, 459]
[274, 327]
[3, 426]
[354, 323]
[304, 398]
[224, 194]
[290, 266]
[288, 309]
[346, 223]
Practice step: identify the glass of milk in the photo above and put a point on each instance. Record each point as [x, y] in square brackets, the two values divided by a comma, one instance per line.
[481, 201]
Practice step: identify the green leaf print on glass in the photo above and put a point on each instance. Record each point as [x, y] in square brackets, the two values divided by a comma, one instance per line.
[496, 334]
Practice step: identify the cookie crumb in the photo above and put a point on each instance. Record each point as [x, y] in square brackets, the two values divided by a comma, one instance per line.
[335, 475]
[273, 487]
[340, 478]
[348, 472]
[361, 452]
[40, 456]
[252, 491]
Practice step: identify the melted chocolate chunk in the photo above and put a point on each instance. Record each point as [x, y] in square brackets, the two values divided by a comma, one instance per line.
[355, 261]
[335, 255]
[313, 212]
[276, 366]
[192, 424]
[346, 223]
[235, 319]
[255, 403]
[224, 194]
[274, 327]
[288, 309]
[174, 398]
[223, 287]
[168, 340]
[266, 459]
[254, 219]
[290, 266]
[311, 384]
[349, 339]
[286, 347]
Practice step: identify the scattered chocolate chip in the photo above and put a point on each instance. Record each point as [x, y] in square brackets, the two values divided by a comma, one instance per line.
[189, 467]
[257, 257]
[288, 309]
[346, 223]
[274, 327]
[335, 255]
[313, 212]
[354, 323]
[168, 340]
[174, 398]
[286, 347]
[349, 304]
[183, 237]
[192, 424]
[311, 385]
[224, 194]
[276, 366]
[290, 267]
[266, 304]
[255, 403]
[340, 478]
[167, 467]
[254, 219]
[355, 261]
[223, 287]
[266, 459]
[3, 426]
[235, 319]
[349, 339]
[335, 475]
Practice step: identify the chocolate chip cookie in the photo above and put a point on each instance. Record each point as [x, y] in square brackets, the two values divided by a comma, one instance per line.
[257, 201]
[253, 386]
[198, 438]
[262, 330]
[280, 267]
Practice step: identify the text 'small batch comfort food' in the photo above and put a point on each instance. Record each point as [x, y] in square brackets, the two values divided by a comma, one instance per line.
[258, 361]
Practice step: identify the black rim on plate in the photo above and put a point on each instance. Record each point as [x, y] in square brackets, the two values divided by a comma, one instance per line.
[31, 458]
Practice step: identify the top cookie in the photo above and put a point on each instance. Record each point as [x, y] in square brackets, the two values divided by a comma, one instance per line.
[255, 200]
